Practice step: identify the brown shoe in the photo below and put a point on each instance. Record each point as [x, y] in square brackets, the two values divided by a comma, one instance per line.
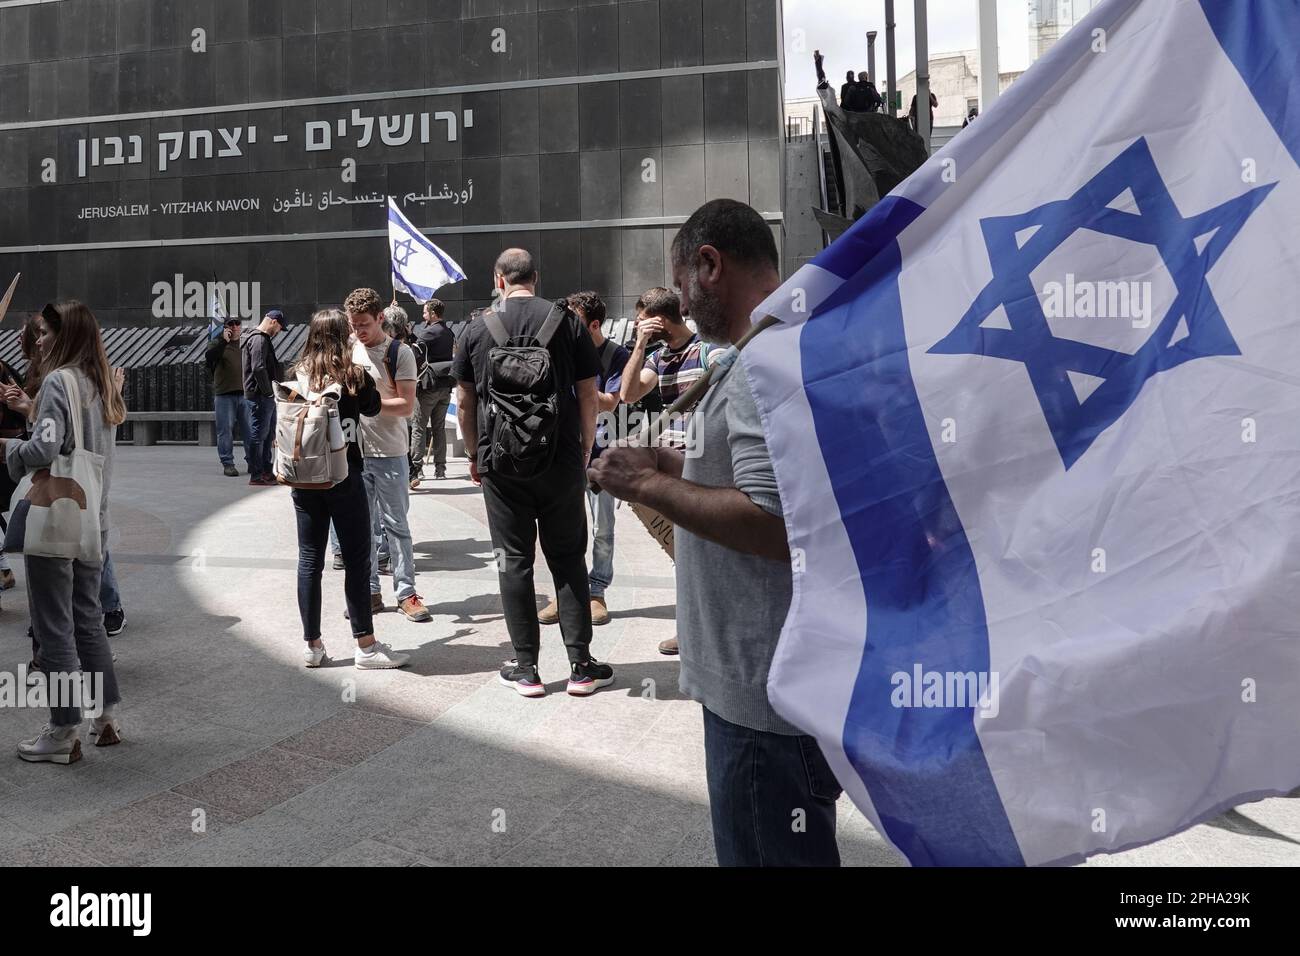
[599, 612]
[376, 606]
[7, 580]
[669, 647]
[549, 614]
[415, 610]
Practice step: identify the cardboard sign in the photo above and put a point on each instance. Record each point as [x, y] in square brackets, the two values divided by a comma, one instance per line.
[660, 528]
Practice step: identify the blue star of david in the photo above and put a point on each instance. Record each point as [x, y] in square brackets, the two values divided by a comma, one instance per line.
[1048, 359]
[403, 249]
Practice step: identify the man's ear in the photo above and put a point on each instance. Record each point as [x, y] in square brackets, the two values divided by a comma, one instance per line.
[710, 266]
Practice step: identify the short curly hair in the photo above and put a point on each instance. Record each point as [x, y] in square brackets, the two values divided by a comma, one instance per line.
[590, 305]
[363, 300]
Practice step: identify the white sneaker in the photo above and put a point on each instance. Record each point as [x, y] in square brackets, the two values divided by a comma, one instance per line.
[378, 656]
[105, 730]
[52, 745]
[314, 656]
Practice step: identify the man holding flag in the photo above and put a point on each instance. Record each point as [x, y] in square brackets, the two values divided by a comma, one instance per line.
[1036, 455]
[771, 794]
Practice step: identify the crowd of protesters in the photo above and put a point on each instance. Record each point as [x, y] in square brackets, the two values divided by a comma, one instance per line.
[563, 458]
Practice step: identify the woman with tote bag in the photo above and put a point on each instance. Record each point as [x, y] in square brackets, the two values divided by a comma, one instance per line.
[58, 517]
[326, 363]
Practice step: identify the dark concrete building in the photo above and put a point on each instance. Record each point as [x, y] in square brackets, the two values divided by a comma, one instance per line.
[256, 141]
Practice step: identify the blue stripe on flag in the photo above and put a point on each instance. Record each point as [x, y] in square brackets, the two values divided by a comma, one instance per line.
[1262, 40]
[923, 767]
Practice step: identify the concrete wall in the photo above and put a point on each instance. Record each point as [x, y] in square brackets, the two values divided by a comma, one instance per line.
[596, 128]
[803, 236]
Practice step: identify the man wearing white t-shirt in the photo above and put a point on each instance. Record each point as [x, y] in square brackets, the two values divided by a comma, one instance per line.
[385, 447]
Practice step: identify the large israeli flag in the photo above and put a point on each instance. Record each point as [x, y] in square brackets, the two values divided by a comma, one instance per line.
[1046, 528]
[420, 268]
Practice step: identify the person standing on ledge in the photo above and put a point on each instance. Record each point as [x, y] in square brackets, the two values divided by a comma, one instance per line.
[261, 369]
[224, 360]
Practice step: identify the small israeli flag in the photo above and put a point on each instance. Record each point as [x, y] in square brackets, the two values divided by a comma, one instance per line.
[420, 268]
[217, 313]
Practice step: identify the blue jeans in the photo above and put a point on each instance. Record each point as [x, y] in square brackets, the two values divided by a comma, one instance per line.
[771, 797]
[261, 415]
[109, 598]
[602, 548]
[388, 486]
[229, 408]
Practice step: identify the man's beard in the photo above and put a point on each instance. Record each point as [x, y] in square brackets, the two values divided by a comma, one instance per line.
[707, 312]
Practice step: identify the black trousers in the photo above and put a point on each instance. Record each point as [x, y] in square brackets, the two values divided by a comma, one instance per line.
[348, 507]
[554, 507]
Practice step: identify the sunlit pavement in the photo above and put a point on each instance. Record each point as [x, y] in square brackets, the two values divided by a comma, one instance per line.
[235, 754]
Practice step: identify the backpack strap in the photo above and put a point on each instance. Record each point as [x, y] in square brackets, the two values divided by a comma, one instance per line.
[390, 360]
[547, 331]
[496, 328]
[607, 357]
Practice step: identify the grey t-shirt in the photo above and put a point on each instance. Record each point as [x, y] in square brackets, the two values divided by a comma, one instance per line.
[384, 436]
[731, 606]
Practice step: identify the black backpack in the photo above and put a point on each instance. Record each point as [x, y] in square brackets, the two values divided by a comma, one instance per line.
[523, 397]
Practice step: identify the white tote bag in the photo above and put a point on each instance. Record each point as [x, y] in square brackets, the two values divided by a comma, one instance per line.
[56, 509]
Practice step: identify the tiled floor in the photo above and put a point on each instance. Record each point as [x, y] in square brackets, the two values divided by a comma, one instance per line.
[236, 754]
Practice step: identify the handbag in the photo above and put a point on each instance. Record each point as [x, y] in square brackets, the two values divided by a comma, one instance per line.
[56, 509]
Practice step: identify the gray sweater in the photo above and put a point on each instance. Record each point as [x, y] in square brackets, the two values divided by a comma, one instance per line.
[50, 440]
[731, 606]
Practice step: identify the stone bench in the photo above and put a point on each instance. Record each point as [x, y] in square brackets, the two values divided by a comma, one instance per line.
[145, 426]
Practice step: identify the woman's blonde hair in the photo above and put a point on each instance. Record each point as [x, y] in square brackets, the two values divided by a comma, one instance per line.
[78, 344]
[327, 356]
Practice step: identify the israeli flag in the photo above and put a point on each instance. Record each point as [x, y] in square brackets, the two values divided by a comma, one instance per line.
[420, 268]
[217, 313]
[1034, 421]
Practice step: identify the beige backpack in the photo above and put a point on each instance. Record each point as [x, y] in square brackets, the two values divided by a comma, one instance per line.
[311, 451]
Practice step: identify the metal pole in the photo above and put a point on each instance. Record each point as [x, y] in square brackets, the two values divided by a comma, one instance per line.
[871, 56]
[891, 83]
[922, 75]
[988, 52]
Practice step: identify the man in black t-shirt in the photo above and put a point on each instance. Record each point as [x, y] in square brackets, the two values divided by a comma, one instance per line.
[552, 503]
[434, 343]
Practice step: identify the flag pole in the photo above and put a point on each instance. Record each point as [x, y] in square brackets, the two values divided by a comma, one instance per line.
[4, 303]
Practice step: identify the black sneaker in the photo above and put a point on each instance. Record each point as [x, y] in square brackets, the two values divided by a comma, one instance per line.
[230, 471]
[385, 567]
[338, 562]
[587, 678]
[114, 621]
[523, 678]
[440, 474]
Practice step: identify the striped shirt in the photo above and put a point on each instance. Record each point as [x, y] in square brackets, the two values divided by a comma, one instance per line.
[678, 370]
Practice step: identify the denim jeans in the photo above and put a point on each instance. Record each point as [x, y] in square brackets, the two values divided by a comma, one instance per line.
[771, 797]
[261, 415]
[68, 625]
[344, 510]
[109, 598]
[389, 490]
[230, 408]
[602, 549]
